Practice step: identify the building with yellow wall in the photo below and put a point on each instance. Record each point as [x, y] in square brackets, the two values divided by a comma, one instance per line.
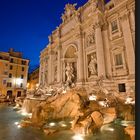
[33, 80]
[13, 73]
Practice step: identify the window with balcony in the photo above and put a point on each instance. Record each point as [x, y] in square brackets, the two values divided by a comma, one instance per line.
[9, 84]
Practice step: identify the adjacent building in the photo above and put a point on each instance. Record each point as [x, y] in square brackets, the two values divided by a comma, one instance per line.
[96, 40]
[33, 80]
[13, 73]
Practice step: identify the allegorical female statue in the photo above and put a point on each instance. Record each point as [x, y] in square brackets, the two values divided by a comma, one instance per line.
[69, 72]
[93, 65]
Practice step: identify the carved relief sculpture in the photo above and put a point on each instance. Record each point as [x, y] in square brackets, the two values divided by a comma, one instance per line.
[93, 65]
[90, 39]
[69, 11]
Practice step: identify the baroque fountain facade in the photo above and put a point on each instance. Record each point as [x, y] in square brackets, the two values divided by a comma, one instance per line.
[87, 70]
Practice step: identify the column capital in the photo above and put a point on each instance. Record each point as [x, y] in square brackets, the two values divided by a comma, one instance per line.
[97, 25]
[105, 26]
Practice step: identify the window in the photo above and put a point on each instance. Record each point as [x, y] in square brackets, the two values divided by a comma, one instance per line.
[21, 85]
[11, 60]
[118, 60]
[114, 26]
[6, 65]
[9, 84]
[22, 68]
[11, 67]
[10, 75]
[22, 76]
[122, 87]
[23, 62]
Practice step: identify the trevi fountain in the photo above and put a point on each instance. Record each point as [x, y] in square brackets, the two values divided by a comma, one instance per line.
[78, 96]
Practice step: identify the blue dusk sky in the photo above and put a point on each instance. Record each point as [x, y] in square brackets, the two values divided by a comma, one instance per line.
[26, 24]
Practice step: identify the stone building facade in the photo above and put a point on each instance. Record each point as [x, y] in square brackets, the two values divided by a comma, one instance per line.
[96, 40]
[13, 73]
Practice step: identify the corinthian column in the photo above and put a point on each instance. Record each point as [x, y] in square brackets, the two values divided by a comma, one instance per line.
[99, 50]
[58, 65]
[80, 60]
[50, 68]
[128, 43]
[132, 19]
[107, 51]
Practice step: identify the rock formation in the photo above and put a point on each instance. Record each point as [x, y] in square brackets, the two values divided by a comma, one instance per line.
[88, 115]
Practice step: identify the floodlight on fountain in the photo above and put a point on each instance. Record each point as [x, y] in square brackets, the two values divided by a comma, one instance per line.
[102, 103]
[92, 98]
[24, 113]
[129, 100]
[16, 123]
[19, 126]
[15, 107]
[64, 91]
[78, 137]
[71, 122]
[62, 124]
[127, 123]
[52, 124]
[107, 128]
[48, 94]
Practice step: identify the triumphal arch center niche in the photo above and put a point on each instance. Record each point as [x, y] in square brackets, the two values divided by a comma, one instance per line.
[70, 65]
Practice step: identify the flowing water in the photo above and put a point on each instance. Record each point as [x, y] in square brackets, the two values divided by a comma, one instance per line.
[10, 131]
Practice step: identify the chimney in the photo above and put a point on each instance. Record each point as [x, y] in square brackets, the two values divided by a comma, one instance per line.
[11, 50]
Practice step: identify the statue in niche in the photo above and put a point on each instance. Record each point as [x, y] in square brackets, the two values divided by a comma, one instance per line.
[90, 39]
[69, 10]
[69, 73]
[93, 65]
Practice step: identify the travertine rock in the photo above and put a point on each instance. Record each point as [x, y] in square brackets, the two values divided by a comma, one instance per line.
[130, 130]
[97, 118]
